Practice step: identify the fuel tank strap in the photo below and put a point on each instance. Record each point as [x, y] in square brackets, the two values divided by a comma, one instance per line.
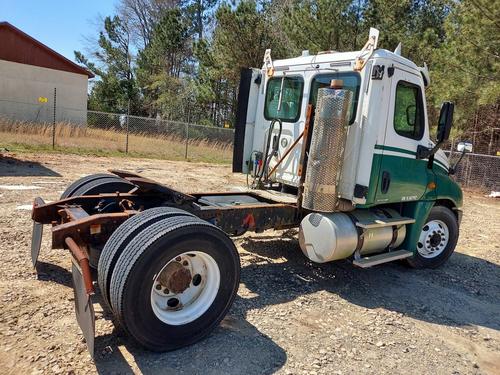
[395, 229]
[361, 236]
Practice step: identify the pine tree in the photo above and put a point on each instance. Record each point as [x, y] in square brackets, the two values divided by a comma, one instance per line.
[116, 86]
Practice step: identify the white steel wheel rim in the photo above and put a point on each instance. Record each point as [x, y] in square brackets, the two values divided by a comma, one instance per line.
[194, 301]
[433, 239]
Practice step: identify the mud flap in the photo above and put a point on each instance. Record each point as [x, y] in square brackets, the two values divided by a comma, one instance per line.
[36, 238]
[83, 308]
[36, 241]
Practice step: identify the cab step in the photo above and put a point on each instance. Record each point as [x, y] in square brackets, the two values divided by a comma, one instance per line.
[389, 222]
[374, 260]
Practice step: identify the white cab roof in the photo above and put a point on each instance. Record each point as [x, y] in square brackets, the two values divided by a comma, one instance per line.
[341, 56]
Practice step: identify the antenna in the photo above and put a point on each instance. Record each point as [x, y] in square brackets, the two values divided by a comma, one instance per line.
[268, 63]
[397, 51]
[367, 50]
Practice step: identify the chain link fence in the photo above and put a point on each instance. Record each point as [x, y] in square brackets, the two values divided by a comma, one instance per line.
[111, 133]
[139, 129]
[477, 171]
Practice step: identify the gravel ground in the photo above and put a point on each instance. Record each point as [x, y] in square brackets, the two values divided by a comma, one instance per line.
[290, 317]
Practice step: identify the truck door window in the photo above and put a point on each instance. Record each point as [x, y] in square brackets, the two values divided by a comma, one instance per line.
[408, 111]
[351, 82]
[291, 89]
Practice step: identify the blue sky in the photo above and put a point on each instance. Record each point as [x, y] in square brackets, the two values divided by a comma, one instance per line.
[61, 25]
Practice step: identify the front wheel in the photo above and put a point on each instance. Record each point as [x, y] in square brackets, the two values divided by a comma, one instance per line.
[174, 282]
[437, 240]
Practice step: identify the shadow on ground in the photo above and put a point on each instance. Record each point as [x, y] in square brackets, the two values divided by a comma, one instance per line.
[10, 166]
[53, 273]
[465, 291]
[235, 347]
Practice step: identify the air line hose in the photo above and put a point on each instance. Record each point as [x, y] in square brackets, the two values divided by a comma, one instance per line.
[267, 156]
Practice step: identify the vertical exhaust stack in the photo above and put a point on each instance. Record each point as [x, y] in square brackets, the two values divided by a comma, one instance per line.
[327, 148]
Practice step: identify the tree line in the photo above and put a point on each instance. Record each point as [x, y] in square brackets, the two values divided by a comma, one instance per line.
[180, 59]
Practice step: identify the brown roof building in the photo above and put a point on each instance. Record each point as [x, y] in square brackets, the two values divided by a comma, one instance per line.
[32, 75]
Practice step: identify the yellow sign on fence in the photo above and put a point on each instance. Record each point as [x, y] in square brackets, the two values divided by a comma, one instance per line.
[42, 99]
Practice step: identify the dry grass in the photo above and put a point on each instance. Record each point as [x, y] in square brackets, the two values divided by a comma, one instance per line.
[21, 136]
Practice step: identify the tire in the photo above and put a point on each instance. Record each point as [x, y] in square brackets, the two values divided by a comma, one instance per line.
[141, 265]
[122, 236]
[96, 184]
[438, 239]
[104, 185]
[82, 181]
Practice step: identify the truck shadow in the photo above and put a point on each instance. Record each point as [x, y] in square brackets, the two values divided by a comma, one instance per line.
[48, 272]
[10, 166]
[463, 292]
[235, 347]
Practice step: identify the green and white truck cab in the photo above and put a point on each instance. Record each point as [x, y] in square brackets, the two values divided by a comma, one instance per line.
[388, 161]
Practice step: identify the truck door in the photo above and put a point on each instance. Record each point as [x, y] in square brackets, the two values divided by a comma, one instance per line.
[403, 177]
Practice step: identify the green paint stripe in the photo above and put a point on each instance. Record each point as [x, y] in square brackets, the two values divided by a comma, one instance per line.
[395, 149]
[408, 152]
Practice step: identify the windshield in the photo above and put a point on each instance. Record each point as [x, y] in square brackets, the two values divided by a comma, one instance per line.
[351, 82]
[284, 98]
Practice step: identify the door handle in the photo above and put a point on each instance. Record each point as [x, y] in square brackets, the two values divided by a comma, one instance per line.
[386, 182]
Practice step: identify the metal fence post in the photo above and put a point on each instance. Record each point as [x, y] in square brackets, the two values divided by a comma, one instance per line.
[128, 116]
[187, 141]
[490, 145]
[54, 121]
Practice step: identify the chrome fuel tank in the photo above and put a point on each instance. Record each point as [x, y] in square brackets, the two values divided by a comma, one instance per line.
[324, 237]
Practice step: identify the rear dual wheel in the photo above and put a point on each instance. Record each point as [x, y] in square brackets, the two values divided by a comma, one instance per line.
[122, 236]
[97, 184]
[173, 281]
[94, 184]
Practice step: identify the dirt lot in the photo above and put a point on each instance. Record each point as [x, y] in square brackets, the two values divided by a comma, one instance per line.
[290, 317]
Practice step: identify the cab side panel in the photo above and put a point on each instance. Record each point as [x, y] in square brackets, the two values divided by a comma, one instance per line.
[397, 175]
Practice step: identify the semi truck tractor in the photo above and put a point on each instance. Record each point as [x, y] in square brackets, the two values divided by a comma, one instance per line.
[336, 144]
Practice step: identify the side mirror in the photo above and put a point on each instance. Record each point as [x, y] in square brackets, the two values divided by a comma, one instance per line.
[443, 131]
[464, 147]
[445, 122]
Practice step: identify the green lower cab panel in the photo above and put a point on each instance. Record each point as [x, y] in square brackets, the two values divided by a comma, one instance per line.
[397, 179]
[409, 186]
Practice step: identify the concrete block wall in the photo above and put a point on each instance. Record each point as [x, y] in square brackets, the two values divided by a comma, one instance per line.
[22, 85]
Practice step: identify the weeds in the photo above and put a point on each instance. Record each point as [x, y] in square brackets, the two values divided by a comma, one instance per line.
[22, 136]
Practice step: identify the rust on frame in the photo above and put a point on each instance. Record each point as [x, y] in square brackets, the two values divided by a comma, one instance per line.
[46, 213]
[80, 229]
[82, 258]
